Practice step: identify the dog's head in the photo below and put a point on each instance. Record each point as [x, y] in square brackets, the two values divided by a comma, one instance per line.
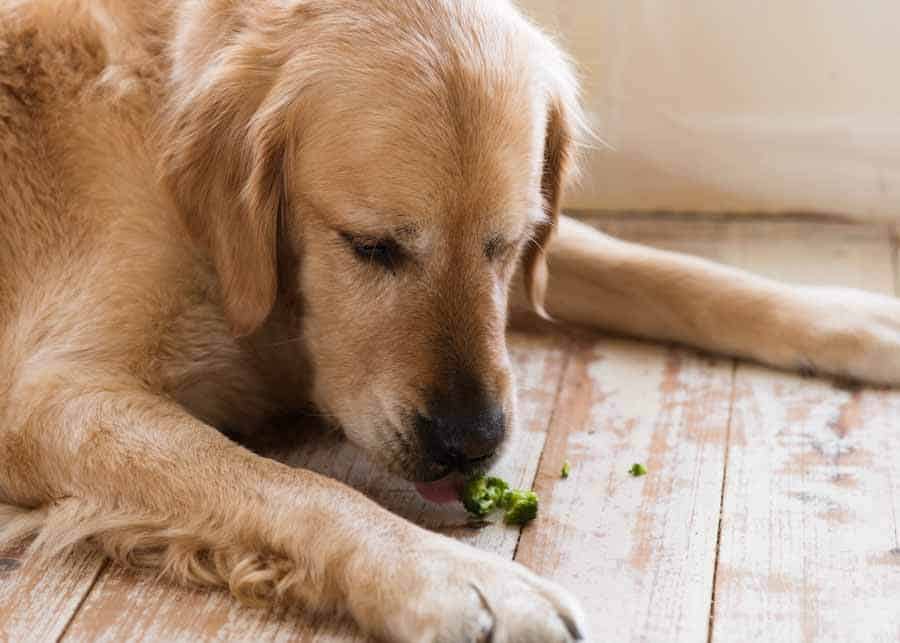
[379, 170]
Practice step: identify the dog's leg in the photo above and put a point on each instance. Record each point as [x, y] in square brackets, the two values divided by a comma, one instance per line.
[138, 476]
[603, 282]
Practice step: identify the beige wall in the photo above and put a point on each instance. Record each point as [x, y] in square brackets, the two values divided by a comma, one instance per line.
[728, 105]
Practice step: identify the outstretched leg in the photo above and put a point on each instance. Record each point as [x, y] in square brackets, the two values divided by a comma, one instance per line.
[600, 281]
[101, 460]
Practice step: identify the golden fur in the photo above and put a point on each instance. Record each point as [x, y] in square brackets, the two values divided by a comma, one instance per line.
[186, 190]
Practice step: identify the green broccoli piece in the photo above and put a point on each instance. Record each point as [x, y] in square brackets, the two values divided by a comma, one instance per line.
[482, 495]
[521, 506]
[566, 470]
[637, 470]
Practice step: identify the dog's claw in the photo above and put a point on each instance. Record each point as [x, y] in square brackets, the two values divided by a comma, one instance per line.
[571, 626]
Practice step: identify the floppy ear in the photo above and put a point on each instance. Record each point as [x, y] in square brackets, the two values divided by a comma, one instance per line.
[558, 162]
[224, 151]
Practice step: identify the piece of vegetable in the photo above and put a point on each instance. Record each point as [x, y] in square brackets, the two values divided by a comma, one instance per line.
[481, 494]
[566, 470]
[637, 470]
[521, 506]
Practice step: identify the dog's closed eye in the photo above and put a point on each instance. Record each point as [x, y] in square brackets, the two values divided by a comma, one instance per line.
[386, 253]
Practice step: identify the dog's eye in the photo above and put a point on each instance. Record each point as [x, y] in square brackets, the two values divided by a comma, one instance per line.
[384, 252]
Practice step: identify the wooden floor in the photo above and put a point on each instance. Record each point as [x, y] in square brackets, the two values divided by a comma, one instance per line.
[770, 511]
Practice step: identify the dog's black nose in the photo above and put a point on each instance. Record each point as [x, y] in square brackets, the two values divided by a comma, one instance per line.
[461, 430]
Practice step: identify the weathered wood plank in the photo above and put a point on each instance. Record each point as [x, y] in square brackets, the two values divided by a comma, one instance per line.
[809, 541]
[639, 552]
[127, 607]
[37, 601]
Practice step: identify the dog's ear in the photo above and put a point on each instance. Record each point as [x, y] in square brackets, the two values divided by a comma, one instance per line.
[558, 164]
[225, 141]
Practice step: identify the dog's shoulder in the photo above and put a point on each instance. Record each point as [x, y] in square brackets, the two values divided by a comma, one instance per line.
[45, 56]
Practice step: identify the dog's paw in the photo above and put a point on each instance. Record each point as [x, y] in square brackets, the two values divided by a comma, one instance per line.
[847, 333]
[448, 592]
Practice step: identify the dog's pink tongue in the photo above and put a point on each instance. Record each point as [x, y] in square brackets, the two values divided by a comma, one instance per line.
[441, 491]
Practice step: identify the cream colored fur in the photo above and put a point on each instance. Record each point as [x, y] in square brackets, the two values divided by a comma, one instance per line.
[182, 186]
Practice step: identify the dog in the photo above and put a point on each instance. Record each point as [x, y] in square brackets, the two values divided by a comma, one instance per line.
[219, 212]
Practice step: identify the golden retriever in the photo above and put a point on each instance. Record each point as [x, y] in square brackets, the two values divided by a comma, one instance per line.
[215, 212]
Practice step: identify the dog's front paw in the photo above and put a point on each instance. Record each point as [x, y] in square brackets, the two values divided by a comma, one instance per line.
[448, 592]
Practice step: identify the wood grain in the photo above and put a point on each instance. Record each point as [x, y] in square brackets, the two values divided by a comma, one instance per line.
[809, 547]
[128, 607]
[37, 601]
[639, 552]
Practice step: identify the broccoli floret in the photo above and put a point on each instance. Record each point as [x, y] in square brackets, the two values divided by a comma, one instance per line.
[566, 470]
[637, 470]
[481, 495]
[521, 506]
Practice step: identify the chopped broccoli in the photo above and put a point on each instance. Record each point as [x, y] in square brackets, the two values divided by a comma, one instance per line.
[482, 495]
[521, 506]
[637, 470]
[566, 470]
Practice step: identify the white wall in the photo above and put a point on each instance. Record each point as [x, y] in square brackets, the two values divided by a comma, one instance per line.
[727, 105]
